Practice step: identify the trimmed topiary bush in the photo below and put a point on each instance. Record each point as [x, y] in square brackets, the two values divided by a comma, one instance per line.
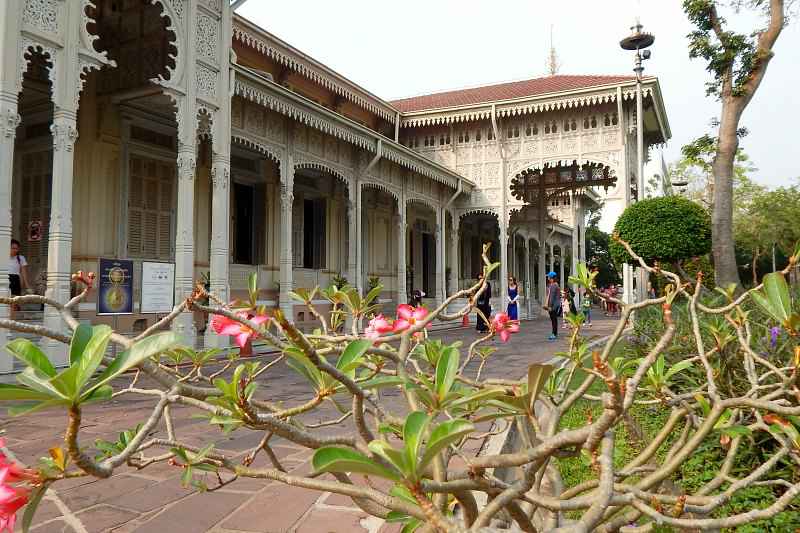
[667, 230]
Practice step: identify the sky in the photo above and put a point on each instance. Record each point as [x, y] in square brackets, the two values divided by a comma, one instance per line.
[409, 47]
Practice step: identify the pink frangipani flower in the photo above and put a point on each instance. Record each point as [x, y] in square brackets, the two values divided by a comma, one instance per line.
[15, 471]
[504, 326]
[377, 327]
[225, 326]
[11, 500]
[408, 316]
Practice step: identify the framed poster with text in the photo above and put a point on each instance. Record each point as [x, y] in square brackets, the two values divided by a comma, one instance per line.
[115, 294]
[158, 287]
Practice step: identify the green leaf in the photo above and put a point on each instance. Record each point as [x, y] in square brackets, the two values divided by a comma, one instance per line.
[32, 407]
[537, 376]
[411, 526]
[371, 295]
[352, 355]
[482, 394]
[80, 338]
[252, 284]
[32, 378]
[775, 298]
[92, 354]
[394, 456]
[413, 432]
[16, 393]
[30, 509]
[381, 382]
[704, 405]
[677, 367]
[298, 362]
[31, 355]
[98, 394]
[186, 477]
[139, 353]
[736, 431]
[337, 459]
[442, 436]
[446, 369]
[402, 492]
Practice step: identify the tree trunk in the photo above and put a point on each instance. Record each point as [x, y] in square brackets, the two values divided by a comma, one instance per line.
[725, 269]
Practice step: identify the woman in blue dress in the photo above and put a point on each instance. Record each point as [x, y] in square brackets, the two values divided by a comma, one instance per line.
[513, 296]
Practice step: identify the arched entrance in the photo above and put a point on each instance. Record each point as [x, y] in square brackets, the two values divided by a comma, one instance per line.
[379, 226]
[476, 229]
[555, 197]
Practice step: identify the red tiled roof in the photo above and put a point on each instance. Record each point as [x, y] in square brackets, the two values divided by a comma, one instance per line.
[504, 91]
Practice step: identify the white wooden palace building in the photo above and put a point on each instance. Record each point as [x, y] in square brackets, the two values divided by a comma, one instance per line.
[178, 131]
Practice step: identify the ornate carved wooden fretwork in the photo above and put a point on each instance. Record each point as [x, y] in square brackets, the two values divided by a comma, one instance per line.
[530, 184]
[284, 54]
[270, 95]
[515, 109]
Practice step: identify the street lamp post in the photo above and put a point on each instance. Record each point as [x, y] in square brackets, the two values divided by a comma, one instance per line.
[638, 41]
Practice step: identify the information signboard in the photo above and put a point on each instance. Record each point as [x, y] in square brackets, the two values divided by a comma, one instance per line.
[115, 296]
[158, 287]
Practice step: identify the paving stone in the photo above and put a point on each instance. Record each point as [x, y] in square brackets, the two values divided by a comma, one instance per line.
[196, 513]
[102, 491]
[139, 496]
[324, 520]
[47, 510]
[156, 496]
[56, 526]
[275, 510]
[104, 517]
[345, 501]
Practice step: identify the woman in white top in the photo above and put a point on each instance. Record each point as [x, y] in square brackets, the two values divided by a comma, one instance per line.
[17, 270]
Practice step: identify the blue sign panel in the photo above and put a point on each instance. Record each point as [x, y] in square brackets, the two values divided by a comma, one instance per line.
[115, 296]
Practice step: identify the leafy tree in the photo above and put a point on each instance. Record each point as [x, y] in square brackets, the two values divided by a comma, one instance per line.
[737, 63]
[765, 219]
[695, 168]
[598, 255]
[665, 230]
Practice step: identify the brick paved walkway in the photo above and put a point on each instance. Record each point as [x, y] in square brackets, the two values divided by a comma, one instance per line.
[152, 500]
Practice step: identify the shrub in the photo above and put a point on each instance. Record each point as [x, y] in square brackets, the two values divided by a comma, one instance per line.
[664, 230]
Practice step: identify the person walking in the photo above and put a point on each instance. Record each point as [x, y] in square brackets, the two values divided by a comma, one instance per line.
[513, 296]
[17, 272]
[484, 306]
[586, 307]
[553, 303]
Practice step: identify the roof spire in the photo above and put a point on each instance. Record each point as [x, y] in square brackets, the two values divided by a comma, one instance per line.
[553, 64]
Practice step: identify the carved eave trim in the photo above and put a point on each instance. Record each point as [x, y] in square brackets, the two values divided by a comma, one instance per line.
[528, 105]
[295, 60]
[296, 111]
[267, 93]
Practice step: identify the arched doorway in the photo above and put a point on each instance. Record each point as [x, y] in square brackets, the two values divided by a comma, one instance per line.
[476, 229]
[379, 224]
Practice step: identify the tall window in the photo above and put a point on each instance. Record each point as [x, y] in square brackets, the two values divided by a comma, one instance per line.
[151, 212]
[314, 215]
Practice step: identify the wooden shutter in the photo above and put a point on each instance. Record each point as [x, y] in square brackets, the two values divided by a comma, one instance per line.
[150, 208]
[260, 224]
[320, 216]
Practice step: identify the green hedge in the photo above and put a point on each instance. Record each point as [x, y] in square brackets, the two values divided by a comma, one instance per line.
[667, 229]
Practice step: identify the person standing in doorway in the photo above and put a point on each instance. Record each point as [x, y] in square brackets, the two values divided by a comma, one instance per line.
[17, 272]
[484, 305]
[553, 303]
[513, 296]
